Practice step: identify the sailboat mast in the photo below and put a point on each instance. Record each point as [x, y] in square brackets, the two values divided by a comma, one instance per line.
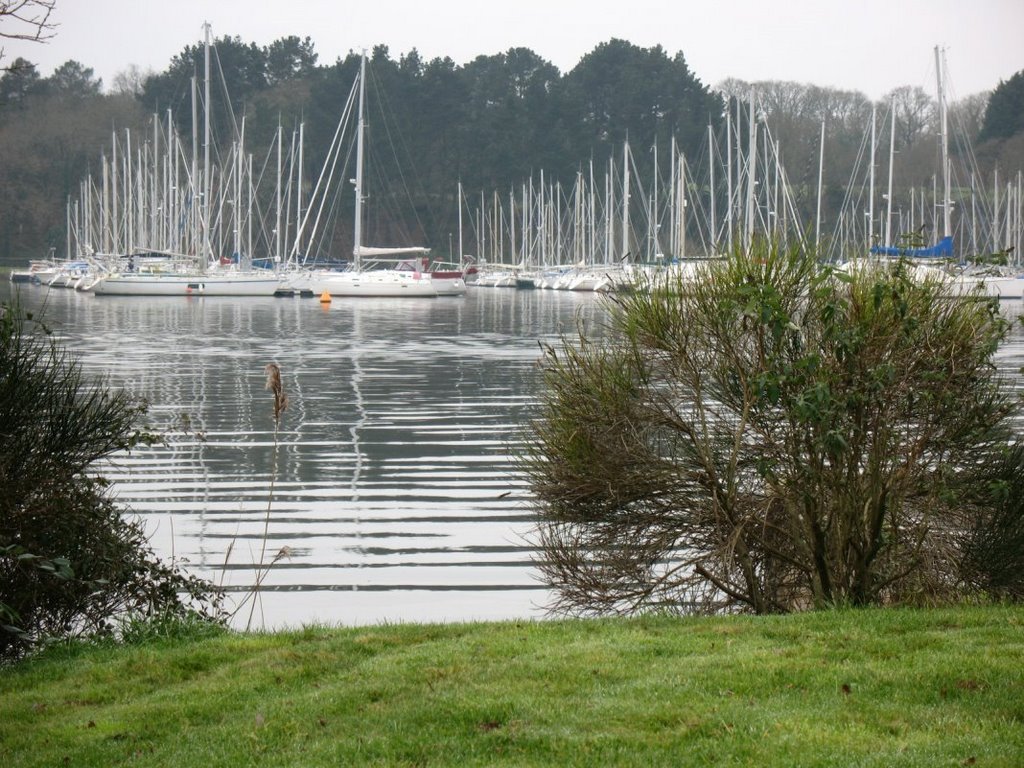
[299, 220]
[821, 174]
[105, 223]
[114, 196]
[609, 224]
[277, 211]
[871, 183]
[711, 188]
[681, 237]
[625, 199]
[206, 146]
[748, 235]
[728, 179]
[170, 185]
[129, 193]
[892, 153]
[461, 251]
[526, 204]
[357, 239]
[248, 209]
[154, 176]
[653, 218]
[592, 216]
[193, 215]
[945, 143]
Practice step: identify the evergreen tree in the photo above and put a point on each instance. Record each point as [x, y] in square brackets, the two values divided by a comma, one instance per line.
[289, 58]
[20, 81]
[73, 79]
[620, 89]
[1004, 116]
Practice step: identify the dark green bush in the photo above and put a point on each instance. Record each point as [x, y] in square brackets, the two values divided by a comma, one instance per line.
[994, 552]
[71, 562]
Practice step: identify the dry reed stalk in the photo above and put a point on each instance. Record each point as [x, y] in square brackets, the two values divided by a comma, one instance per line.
[273, 372]
[274, 384]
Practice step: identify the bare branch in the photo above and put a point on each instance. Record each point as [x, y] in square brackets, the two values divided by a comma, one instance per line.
[26, 20]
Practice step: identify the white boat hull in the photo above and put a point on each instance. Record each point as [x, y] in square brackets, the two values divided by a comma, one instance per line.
[187, 285]
[448, 284]
[376, 283]
[998, 286]
[496, 280]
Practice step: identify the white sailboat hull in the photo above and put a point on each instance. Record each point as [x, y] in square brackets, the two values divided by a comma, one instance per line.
[496, 280]
[241, 284]
[447, 284]
[998, 286]
[376, 283]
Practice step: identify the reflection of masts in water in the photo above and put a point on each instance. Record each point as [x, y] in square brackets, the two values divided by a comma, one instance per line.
[357, 425]
[188, 398]
[360, 422]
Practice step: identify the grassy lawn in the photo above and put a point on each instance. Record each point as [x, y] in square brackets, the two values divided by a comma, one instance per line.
[846, 688]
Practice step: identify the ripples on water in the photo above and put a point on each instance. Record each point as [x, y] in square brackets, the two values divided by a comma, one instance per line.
[393, 494]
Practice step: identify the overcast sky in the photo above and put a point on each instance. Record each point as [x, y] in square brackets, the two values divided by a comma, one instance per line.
[868, 45]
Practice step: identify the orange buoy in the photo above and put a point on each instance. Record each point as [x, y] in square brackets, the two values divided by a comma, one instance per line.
[325, 298]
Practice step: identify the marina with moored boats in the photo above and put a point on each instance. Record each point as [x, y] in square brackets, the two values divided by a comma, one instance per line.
[164, 221]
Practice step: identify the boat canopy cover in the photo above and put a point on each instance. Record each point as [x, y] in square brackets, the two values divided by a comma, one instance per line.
[941, 250]
[369, 251]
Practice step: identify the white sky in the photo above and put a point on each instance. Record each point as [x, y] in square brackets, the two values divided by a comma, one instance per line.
[867, 45]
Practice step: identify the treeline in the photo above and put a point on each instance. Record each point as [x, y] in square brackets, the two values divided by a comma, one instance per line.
[492, 123]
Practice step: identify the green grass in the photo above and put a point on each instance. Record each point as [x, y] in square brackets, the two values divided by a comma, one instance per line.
[846, 688]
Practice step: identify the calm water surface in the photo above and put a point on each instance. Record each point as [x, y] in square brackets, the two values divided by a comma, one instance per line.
[393, 496]
[390, 495]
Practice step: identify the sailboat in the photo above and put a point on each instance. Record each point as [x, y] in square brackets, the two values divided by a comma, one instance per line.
[368, 275]
[970, 279]
[188, 283]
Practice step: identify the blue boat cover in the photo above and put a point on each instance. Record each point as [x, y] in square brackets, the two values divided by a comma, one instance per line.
[941, 250]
